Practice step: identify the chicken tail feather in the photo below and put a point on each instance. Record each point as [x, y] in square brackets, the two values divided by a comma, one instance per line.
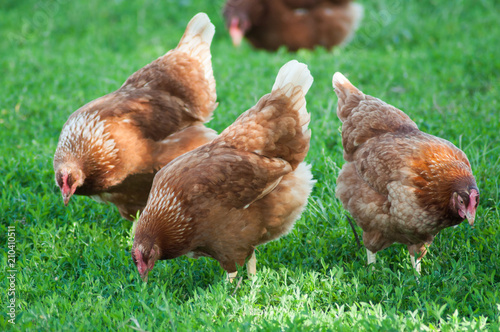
[364, 116]
[292, 74]
[277, 127]
[196, 43]
[294, 80]
[343, 88]
[197, 39]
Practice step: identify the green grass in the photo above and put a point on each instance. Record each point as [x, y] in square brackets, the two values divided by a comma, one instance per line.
[438, 61]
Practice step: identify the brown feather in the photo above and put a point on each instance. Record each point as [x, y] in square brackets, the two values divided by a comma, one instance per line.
[119, 141]
[294, 23]
[245, 188]
[398, 182]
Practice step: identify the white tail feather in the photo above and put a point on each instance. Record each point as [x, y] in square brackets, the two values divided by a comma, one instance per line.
[295, 73]
[339, 80]
[356, 12]
[291, 77]
[196, 43]
[198, 31]
[343, 87]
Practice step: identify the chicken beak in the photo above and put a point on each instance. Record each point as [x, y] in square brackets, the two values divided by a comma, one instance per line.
[142, 267]
[66, 198]
[236, 33]
[66, 190]
[470, 214]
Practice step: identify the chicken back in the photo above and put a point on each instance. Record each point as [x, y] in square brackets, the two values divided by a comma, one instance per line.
[112, 147]
[245, 188]
[399, 183]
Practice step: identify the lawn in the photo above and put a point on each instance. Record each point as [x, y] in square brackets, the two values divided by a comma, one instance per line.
[438, 61]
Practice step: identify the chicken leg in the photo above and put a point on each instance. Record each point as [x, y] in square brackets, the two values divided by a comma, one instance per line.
[416, 263]
[372, 258]
[231, 276]
[252, 265]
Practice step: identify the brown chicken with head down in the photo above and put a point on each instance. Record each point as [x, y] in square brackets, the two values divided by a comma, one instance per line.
[245, 188]
[399, 183]
[112, 147]
[295, 24]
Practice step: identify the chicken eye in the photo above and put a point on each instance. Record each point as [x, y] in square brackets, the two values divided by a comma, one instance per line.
[460, 200]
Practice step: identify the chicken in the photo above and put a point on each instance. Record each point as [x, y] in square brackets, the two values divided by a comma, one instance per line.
[293, 23]
[245, 188]
[399, 183]
[112, 147]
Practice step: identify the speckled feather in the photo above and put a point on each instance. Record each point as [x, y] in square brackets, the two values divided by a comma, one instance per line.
[122, 139]
[397, 181]
[245, 188]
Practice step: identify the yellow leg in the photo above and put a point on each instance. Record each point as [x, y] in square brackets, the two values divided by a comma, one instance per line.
[252, 266]
[231, 276]
[416, 263]
[372, 257]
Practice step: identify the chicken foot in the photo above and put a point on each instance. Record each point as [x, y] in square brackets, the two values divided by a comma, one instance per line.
[231, 276]
[252, 265]
[251, 268]
[416, 263]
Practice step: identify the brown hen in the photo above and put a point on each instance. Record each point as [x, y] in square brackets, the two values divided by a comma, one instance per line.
[399, 183]
[245, 188]
[112, 147]
[293, 23]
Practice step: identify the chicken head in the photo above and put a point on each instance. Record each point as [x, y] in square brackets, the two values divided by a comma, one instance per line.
[145, 259]
[465, 204]
[68, 179]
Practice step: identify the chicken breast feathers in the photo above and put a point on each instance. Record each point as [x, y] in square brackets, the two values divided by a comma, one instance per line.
[399, 183]
[245, 188]
[112, 147]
